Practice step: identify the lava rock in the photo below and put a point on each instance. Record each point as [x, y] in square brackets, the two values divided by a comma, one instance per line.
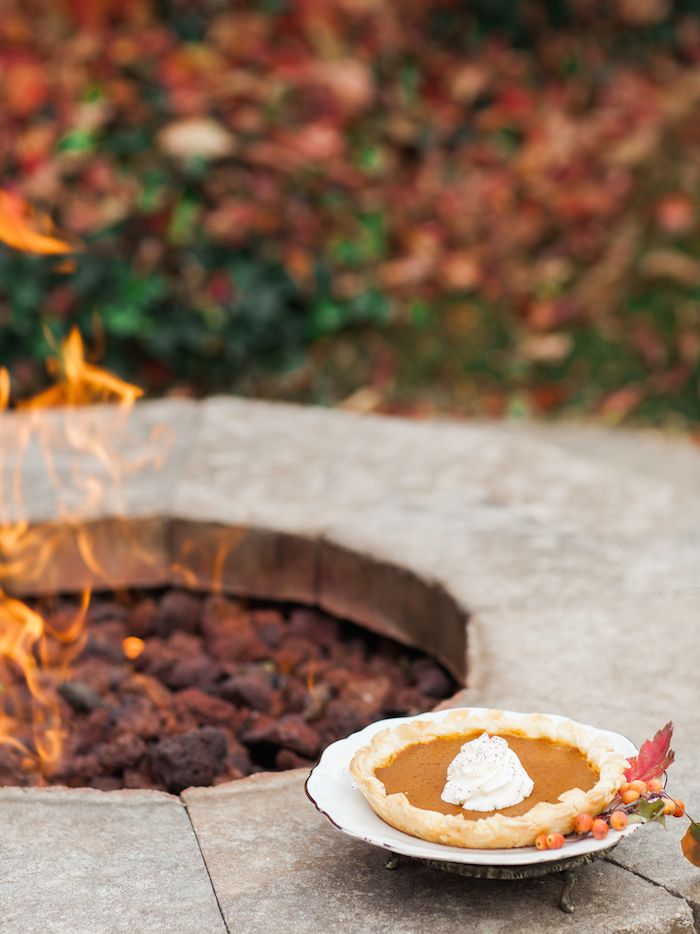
[431, 678]
[338, 721]
[405, 701]
[93, 730]
[179, 610]
[105, 639]
[229, 634]
[80, 696]
[270, 626]
[310, 624]
[106, 783]
[205, 708]
[197, 672]
[122, 752]
[286, 759]
[252, 690]
[100, 674]
[101, 610]
[290, 732]
[294, 652]
[192, 758]
[144, 618]
[366, 695]
[139, 715]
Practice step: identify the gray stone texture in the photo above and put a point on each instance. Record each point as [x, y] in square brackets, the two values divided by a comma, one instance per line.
[90, 862]
[572, 554]
[277, 864]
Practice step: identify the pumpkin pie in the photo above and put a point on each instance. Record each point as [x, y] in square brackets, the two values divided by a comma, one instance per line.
[487, 779]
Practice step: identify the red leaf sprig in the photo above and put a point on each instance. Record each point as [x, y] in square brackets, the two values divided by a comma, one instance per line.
[655, 756]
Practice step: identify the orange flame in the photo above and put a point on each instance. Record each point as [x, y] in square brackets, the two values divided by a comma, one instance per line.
[79, 382]
[18, 228]
[36, 653]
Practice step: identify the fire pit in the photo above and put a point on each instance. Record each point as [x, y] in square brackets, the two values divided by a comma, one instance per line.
[171, 689]
[176, 689]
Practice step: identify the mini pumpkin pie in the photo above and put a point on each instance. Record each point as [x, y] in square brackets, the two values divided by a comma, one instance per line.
[487, 779]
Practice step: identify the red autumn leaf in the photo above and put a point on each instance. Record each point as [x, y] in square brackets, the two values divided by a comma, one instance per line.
[690, 844]
[654, 757]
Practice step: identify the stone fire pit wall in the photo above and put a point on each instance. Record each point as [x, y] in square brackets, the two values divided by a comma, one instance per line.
[567, 560]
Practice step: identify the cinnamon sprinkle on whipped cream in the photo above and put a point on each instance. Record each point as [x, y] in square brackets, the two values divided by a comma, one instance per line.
[486, 775]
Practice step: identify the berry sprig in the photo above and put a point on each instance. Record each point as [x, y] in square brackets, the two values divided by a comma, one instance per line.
[636, 801]
[641, 799]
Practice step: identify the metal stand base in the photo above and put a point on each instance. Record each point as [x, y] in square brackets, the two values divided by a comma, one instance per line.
[562, 868]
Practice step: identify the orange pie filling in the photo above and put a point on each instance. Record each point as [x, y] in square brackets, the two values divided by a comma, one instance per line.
[419, 771]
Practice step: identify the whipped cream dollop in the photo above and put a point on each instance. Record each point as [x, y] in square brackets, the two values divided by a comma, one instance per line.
[486, 775]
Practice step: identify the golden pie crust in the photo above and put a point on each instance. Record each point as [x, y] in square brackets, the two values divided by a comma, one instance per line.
[496, 831]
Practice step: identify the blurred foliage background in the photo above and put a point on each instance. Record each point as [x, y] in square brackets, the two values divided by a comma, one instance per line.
[485, 207]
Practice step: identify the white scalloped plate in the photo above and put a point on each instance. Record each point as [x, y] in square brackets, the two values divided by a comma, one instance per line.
[332, 790]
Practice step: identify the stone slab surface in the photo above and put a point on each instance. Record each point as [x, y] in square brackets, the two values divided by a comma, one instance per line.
[499, 518]
[279, 865]
[577, 554]
[667, 456]
[87, 862]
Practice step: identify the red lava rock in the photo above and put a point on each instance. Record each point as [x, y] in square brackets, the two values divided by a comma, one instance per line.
[408, 701]
[294, 652]
[139, 715]
[106, 783]
[252, 690]
[219, 612]
[348, 657]
[100, 675]
[141, 778]
[269, 625]
[290, 732]
[80, 696]
[80, 767]
[337, 678]
[295, 694]
[94, 729]
[431, 678]
[179, 610]
[101, 609]
[239, 757]
[286, 759]
[105, 639]
[366, 695]
[220, 690]
[338, 721]
[193, 758]
[155, 659]
[311, 624]
[205, 708]
[144, 618]
[229, 634]
[199, 672]
[144, 685]
[124, 751]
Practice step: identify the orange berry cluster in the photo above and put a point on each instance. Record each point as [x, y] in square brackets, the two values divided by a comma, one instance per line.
[631, 792]
[549, 841]
[599, 827]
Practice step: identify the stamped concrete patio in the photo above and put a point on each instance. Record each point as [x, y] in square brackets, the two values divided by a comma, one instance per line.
[557, 567]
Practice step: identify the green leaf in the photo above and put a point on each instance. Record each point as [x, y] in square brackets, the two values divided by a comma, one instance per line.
[652, 810]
